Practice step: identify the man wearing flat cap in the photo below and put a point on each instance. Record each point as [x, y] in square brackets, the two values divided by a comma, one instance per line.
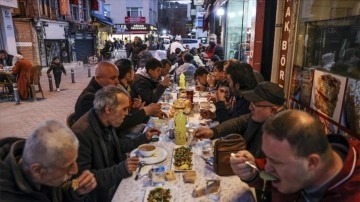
[266, 100]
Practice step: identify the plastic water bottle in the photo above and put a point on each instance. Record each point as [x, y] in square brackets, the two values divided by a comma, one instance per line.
[182, 81]
[180, 128]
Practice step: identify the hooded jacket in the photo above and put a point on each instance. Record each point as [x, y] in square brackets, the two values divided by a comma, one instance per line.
[149, 90]
[15, 187]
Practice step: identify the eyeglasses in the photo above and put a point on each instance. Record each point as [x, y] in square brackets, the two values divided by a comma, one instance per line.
[259, 105]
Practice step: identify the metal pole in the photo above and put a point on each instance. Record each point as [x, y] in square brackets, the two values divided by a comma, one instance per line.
[33, 93]
[72, 75]
[16, 93]
[89, 71]
[50, 83]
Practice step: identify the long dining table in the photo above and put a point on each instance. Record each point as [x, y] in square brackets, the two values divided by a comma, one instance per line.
[231, 187]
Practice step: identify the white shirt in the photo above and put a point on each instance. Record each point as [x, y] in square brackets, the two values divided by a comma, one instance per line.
[174, 45]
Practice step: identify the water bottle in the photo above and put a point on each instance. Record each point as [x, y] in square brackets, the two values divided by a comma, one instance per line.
[182, 81]
[180, 128]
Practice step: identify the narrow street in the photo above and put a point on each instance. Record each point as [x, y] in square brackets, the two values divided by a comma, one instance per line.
[20, 120]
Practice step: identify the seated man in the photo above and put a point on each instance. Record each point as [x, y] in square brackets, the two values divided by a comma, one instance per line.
[107, 74]
[308, 165]
[188, 69]
[40, 167]
[200, 76]
[101, 150]
[241, 78]
[166, 67]
[146, 83]
[218, 77]
[265, 100]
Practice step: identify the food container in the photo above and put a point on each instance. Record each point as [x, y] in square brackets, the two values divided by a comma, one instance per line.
[146, 150]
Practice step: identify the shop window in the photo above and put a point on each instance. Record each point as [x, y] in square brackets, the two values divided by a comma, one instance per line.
[75, 12]
[134, 12]
[45, 8]
[326, 66]
[107, 10]
[238, 16]
[86, 10]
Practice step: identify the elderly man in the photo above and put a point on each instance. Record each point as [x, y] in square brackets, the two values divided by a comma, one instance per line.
[101, 150]
[265, 100]
[107, 74]
[307, 164]
[40, 167]
[147, 83]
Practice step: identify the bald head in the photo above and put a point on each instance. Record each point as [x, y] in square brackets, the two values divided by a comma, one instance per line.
[303, 132]
[106, 74]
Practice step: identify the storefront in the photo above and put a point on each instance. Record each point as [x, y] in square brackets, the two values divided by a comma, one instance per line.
[7, 32]
[82, 41]
[129, 31]
[321, 70]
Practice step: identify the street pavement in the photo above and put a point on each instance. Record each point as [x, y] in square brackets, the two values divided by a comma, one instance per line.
[20, 120]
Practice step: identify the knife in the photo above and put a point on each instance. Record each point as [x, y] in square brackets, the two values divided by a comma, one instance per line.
[141, 164]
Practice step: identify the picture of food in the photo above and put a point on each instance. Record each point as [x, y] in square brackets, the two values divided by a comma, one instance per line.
[352, 106]
[182, 159]
[328, 94]
[75, 184]
[159, 194]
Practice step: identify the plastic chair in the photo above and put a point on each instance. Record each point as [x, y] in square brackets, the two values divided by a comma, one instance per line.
[70, 119]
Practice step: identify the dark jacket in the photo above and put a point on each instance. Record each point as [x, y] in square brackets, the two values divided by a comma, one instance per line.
[343, 187]
[219, 51]
[56, 68]
[149, 90]
[134, 50]
[143, 57]
[245, 126]
[15, 187]
[241, 107]
[85, 102]
[94, 155]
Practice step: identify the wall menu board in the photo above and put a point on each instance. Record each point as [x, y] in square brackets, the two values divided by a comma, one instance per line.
[333, 99]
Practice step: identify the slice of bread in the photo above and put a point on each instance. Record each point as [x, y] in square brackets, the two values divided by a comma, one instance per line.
[189, 176]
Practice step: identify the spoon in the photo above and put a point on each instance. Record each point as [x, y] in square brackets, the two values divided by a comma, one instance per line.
[263, 174]
[141, 164]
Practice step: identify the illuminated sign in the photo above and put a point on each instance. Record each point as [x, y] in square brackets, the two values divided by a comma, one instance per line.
[135, 19]
[284, 42]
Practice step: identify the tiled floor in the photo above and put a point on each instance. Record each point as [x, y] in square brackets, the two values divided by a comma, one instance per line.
[20, 120]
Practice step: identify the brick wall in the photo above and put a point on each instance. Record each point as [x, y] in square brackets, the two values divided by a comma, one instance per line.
[24, 39]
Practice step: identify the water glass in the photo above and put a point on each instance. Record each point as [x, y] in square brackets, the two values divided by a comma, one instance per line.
[213, 190]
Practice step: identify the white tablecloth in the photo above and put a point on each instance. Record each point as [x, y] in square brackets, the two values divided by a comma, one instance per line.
[232, 188]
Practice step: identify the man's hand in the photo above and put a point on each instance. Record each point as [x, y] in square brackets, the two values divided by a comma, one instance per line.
[152, 109]
[203, 133]
[137, 103]
[151, 132]
[207, 114]
[242, 170]
[132, 163]
[200, 88]
[210, 80]
[161, 115]
[166, 81]
[87, 183]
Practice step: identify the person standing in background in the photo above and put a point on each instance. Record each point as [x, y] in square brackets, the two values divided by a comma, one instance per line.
[214, 48]
[57, 69]
[134, 50]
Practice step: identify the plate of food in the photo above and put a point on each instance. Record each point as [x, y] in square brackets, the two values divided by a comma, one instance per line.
[182, 159]
[156, 194]
[158, 156]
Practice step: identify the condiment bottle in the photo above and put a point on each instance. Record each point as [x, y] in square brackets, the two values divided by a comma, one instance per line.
[182, 81]
[180, 128]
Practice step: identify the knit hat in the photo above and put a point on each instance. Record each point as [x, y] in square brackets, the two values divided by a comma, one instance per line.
[268, 91]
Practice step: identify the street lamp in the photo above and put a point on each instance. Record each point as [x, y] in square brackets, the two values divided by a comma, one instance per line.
[164, 31]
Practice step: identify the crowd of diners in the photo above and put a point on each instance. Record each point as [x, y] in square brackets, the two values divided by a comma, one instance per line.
[291, 145]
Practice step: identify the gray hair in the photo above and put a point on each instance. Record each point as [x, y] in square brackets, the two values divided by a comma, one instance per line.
[107, 96]
[47, 145]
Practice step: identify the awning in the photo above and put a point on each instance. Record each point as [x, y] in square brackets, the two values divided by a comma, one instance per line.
[102, 19]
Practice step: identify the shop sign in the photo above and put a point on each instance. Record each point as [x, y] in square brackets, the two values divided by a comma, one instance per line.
[285, 35]
[64, 7]
[9, 3]
[137, 27]
[135, 20]
[198, 2]
[24, 44]
[81, 11]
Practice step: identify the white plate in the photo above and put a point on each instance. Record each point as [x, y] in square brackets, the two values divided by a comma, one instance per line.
[173, 167]
[159, 156]
[172, 192]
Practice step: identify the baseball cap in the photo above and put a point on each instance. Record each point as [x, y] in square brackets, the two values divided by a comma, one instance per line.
[268, 91]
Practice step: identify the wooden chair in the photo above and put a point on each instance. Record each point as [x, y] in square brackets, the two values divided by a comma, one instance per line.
[35, 81]
[70, 119]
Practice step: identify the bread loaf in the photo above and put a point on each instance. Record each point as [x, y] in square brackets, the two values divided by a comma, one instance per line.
[189, 176]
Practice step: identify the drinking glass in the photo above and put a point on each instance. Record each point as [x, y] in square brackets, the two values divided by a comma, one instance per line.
[213, 190]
